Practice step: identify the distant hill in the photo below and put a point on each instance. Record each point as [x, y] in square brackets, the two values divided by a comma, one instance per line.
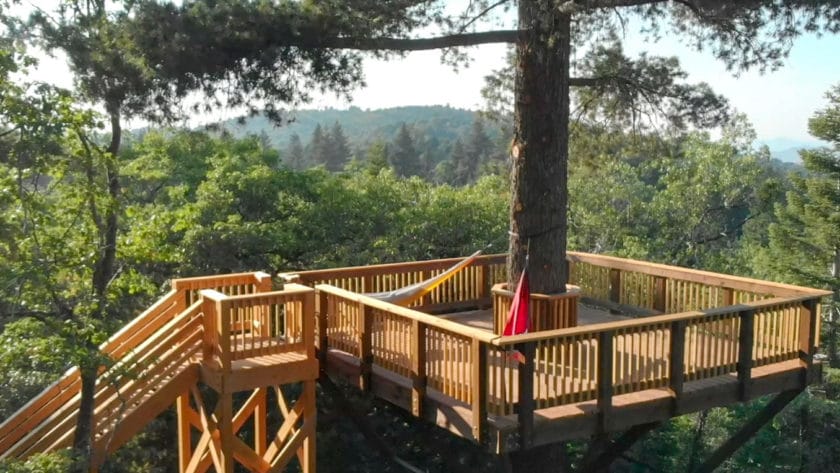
[787, 149]
[439, 123]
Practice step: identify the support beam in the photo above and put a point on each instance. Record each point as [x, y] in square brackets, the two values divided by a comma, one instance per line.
[599, 459]
[747, 431]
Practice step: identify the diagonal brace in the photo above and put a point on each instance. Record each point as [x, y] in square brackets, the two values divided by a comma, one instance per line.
[600, 457]
[748, 430]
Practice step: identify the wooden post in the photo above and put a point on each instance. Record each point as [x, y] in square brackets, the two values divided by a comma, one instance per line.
[365, 347]
[307, 459]
[745, 353]
[182, 405]
[224, 411]
[615, 285]
[418, 367]
[605, 378]
[659, 293]
[308, 323]
[807, 330]
[260, 421]
[677, 361]
[264, 283]
[807, 336]
[223, 331]
[478, 386]
[527, 402]
[323, 342]
[728, 297]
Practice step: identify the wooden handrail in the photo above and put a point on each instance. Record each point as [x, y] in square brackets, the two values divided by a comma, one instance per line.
[694, 275]
[391, 268]
[640, 322]
[430, 320]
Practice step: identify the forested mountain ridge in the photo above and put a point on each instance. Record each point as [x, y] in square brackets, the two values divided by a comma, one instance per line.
[361, 126]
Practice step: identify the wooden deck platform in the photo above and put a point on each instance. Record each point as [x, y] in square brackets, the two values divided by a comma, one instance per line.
[705, 340]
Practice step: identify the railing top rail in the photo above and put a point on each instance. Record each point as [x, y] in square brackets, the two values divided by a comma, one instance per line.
[695, 275]
[431, 320]
[594, 329]
[205, 281]
[394, 267]
[259, 297]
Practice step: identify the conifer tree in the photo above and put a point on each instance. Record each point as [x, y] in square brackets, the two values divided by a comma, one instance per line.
[317, 149]
[295, 157]
[405, 159]
[337, 149]
[460, 164]
[805, 242]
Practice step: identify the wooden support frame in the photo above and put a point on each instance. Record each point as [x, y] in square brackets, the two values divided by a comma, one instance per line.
[602, 454]
[219, 446]
[746, 432]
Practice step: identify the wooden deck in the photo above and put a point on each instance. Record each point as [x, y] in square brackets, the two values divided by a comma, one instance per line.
[703, 340]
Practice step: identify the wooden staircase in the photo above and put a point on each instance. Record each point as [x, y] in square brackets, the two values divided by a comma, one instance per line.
[159, 358]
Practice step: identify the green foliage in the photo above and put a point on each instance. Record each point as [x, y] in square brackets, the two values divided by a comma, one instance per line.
[39, 463]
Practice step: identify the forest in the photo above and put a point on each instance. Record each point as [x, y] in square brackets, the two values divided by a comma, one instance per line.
[96, 219]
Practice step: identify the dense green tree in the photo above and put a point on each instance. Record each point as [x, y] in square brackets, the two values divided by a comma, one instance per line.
[338, 150]
[294, 156]
[805, 241]
[377, 156]
[292, 43]
[318, 148]
[460, 164]
[404, 156]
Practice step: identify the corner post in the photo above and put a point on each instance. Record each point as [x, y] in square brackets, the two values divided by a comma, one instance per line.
[418, 367]
[323, 308]
[605, 378]
[677, 362]
[615, 285]
[745, 353]
[365, 347]
[478, 385]
[182, 405]
[808, 335]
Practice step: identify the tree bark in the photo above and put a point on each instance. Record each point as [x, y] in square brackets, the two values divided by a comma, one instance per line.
[540, 149]
[103, 271]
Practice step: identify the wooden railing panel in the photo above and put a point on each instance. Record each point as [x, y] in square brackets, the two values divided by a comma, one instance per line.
[640, 357]
[637, 289]
[594, 281]
[711, 345]
[449, 363]
[343, 318]
[776, 333]
[565, 370]
[391, 342]
[266, 324]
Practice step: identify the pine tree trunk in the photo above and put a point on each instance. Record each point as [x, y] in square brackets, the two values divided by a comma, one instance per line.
[540, 149]
[833, 313]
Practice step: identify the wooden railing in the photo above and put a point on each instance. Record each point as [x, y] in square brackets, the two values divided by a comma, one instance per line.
[434, 353]
[468, 288]
[740, 324]
[666, 289]
[252, 325]
[122, 343]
